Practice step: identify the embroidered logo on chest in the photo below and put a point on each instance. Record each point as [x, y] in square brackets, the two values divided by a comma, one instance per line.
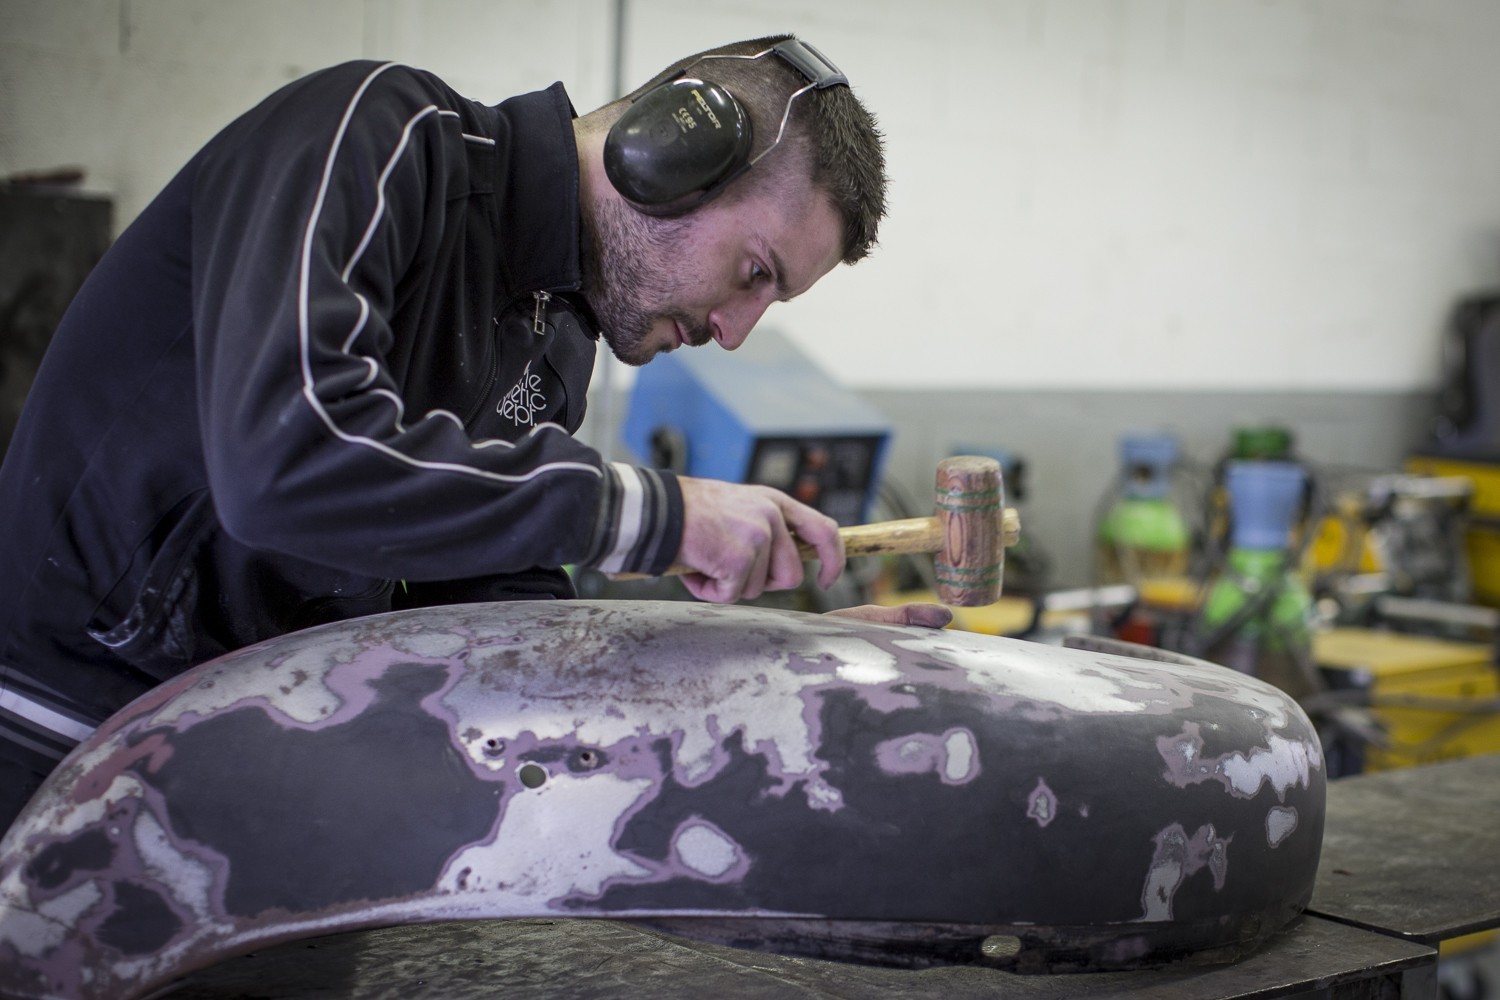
[525, 399]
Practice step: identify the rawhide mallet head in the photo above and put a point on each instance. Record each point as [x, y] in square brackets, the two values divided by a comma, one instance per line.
[970, 507]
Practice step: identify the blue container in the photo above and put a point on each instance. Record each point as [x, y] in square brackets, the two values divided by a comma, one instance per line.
[1148, 461]
[1263, 501]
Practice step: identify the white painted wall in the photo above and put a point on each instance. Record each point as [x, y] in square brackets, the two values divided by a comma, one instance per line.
[1123, 194]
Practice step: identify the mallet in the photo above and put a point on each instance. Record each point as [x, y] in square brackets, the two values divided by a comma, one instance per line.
[967, 535]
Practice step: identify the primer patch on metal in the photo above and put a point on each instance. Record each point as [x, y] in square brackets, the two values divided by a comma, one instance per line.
[953, 755]
[1282, 764]
[1279, 763]
[961, 756]
[1280, 822]
[707, 850]
[1178, 857]
[567, 817]
[1041, 804]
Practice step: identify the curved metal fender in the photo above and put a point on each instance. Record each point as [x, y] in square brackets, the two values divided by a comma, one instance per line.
[777, 779]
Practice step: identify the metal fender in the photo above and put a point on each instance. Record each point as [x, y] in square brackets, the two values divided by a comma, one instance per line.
[803, 783]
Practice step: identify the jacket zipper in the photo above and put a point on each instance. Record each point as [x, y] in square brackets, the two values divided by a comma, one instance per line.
[538, 324]
[540, 301]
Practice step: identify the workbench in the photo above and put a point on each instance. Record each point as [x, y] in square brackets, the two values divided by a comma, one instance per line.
[1414, 853]
[1411, 858]
[483, 960]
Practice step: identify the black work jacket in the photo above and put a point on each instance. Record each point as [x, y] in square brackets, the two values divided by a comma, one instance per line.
[334, 368]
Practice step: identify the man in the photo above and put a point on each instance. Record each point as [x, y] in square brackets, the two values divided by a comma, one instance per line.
[334, 369]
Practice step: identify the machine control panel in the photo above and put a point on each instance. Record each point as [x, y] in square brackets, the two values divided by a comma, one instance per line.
[830, 474]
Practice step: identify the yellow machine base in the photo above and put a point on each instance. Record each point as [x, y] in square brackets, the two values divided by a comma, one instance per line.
[1395, 666]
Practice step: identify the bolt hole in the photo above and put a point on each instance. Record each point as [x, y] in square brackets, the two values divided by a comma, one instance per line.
[532, 776]
[584, 759]
[494, 747]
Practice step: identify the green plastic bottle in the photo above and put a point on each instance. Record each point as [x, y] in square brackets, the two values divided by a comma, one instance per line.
[1143, 535]
[1256, 618]
[1269, 443]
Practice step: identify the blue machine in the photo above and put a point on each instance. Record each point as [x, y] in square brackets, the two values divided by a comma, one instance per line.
[766, 414]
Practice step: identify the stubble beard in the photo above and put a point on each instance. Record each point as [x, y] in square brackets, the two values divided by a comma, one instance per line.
[625, 255]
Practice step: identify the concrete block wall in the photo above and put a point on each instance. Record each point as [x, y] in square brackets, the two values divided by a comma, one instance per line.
[129, 89]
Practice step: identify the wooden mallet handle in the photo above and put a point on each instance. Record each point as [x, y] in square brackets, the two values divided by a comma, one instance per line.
[967, 535]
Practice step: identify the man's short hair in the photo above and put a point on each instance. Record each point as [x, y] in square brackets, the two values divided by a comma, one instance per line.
[830, 133]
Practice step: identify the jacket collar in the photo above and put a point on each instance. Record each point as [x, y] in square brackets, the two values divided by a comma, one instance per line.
[537, 192]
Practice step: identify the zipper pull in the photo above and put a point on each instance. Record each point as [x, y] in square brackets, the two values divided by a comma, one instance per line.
[538, 326]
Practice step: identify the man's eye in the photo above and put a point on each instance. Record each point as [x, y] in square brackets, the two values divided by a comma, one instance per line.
[758, 273]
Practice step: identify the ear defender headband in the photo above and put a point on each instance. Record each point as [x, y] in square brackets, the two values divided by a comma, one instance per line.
[682, 142]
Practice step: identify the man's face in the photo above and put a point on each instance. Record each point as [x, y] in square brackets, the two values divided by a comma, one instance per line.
[657, 283]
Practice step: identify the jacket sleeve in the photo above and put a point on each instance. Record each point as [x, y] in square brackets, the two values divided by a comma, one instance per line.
[308, 214]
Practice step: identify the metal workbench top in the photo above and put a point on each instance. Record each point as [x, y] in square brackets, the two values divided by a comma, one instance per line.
[1414, 852]
[560, 960]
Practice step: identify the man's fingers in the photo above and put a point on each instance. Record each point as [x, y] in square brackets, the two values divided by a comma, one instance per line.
[783, 560]
[742, 540]
[822, 533]
[921, 613]
[707, 588]
[758, 579]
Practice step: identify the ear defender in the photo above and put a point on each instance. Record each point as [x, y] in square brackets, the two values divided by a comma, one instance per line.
[681, 138]
[682, 142]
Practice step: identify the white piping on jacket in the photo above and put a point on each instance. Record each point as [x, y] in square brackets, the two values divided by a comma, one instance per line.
[40, 715]
[632, 502]
[303, 321]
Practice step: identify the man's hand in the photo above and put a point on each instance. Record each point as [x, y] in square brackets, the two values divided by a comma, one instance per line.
[918, 613]
[740, 540]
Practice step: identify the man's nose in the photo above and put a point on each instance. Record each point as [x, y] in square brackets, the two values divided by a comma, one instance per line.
[732, 323]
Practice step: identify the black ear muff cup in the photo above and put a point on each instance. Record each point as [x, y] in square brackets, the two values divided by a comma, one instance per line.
[681, 139]
[681, 143]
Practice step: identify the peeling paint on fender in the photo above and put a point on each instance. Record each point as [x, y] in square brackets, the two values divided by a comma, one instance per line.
[896, 790]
